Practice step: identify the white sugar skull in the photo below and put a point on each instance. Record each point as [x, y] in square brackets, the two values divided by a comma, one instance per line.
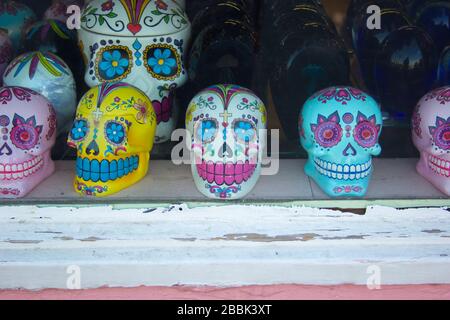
[225, 123]
[431, 136]
[48, 74]
[339, 128]
[141, 42]
[27, 131]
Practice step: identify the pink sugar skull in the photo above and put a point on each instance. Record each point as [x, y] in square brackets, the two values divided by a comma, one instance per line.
[27, 134]
[431, 135]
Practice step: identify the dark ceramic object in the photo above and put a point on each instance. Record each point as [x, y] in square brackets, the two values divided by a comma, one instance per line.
[444, 68]
[306, 62]
[369, 42]
[435, 19]
[223, 53]
[405, 70]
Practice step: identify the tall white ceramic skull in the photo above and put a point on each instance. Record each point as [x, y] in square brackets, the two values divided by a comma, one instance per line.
[431, 136]
[141, 42]
[225, 123]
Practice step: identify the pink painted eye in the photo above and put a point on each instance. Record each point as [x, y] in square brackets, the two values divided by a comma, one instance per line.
[441, 137]
[25, 133]
[366, 134]
[328, 134]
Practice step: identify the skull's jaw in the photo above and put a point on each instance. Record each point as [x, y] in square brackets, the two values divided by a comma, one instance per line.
[103, 177]
[340, 180]
[19, 178]
[225, 180]
[436, 170]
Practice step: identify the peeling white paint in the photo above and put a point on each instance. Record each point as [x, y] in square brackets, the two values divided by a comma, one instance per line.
[224, 246]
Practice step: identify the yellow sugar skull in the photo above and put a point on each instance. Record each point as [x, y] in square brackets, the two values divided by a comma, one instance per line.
[113, 133]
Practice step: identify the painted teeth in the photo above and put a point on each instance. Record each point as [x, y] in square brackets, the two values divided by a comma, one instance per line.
[17, 171]
[94, 170]
[226, 173]
[440, 166]
[343, 172]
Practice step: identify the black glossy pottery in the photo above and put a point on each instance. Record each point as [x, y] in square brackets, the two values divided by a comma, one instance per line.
[217, 13]
[306, 62]
[357, 15]
[444, 68]
[405, 69]
[434, 18]
[223, 53]
[370, 41]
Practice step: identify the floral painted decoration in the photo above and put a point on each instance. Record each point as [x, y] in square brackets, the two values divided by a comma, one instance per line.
[113, 63]
[162, 62]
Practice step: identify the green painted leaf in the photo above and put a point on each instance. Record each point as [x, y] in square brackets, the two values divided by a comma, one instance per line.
[111, 15]
[157, 13]
[166, 19]
[101, 20]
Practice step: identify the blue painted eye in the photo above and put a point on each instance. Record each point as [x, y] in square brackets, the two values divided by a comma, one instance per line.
[79, 130]
[207, 130]
[115, 132]
[244, 130]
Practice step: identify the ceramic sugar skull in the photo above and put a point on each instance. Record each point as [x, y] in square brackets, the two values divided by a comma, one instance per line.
[431, 136]
[15, 17]
[113, 133]
[49, 75]
[226, 152]
[339, 128]
[141, 42]
[27, 128]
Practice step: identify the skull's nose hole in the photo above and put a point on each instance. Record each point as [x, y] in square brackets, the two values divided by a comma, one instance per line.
[5, 150]
[349, 151]
[225, 151]
[93, 148]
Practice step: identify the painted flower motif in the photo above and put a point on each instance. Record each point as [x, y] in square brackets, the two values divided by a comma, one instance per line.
[441, 133]
[142, 109]
[108, 5]
[116, 99]
[115, 132]
[79, 130]
[162, 62]
[161, 5]
[113, 63]
[25, 133]
[163, 109]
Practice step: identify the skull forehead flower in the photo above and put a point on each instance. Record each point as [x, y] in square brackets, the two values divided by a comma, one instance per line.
[27, 133]
[339, 128]
[111, 132]
[431, 136]
[141, 42]
[225, 122]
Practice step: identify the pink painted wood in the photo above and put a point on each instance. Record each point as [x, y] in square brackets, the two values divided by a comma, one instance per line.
[275, 292]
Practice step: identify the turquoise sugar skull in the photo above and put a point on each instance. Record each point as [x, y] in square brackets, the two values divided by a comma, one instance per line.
[339, 128]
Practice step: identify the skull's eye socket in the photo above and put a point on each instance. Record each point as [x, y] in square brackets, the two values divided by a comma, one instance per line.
[115, 132]
[25, 133]
[366, 134]
[162, 61]
[113, 63]
[441, 137]
[79, 130]
[328, 134]
[244, 131]
[206, 130]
